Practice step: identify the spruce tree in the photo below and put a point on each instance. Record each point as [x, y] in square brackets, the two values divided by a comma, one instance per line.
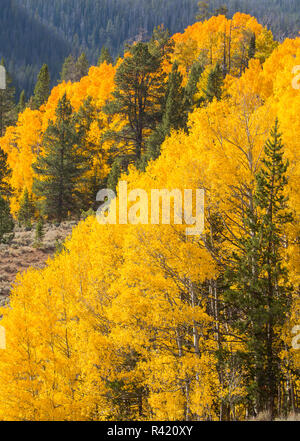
[174, 112]
[39, 233]
[42, 88]
[259, 300]
[27, 209]
[119, 166]
[86, 115]
[59, 170]
[6, 220]
[105, 56]
[191, 86]
[7, 103]
[214, 84]
[73, 70]
[81, 67]
[161, 44]
[68, 72]
[252, 47]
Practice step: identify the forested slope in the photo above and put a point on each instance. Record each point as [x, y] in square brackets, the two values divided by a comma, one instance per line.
[25, 44]
[142, 321]
[29, 28]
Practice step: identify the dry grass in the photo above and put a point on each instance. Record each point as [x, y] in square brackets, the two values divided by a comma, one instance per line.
[22, 253]
[265, 416]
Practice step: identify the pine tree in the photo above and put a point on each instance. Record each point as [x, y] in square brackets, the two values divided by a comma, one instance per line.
[42, 88]
[7, 103]
[27, 209]
[105, 56]
[138, 97]
[260, 297]
[60, 169]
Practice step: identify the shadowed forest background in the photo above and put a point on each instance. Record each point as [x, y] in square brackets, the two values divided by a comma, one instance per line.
[55, 29]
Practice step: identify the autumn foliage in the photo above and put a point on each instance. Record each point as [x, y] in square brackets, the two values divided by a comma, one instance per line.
[130, 322]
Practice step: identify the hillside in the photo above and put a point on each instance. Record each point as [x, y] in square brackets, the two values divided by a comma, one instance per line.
[21, 253]
[47, 31]
[26, 43]
[179, 299]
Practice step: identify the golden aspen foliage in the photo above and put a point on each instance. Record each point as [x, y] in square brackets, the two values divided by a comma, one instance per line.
[124, 323]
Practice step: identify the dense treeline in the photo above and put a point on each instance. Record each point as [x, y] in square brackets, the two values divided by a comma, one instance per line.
[95, 23]
[34, 32]
[135, 319]
[26, 44]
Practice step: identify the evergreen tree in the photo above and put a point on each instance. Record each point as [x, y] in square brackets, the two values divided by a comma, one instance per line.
[105, 56]
[6, 221]
[260, 297]
[73, 70]
[27, 209]
[174, 109]
[68, 72]
[39, 232]
[160, 44]
[252, 47]
[81, 67]
[214, 84]
[5, 172]
[203, 10]
[174, 113]
[119, 166]
[138, 98]
[59, 170]
[7, 103]
[222, 10]
[42, 88]
[191, 87]
[86, 115]
[22, 102]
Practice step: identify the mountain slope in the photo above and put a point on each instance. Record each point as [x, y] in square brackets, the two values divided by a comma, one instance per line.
[26, 43]
[33, 32]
